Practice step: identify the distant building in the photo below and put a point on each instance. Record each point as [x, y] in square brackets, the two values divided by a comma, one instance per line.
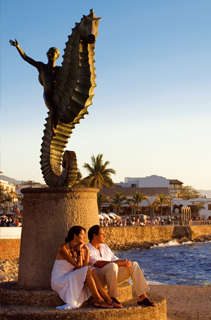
[175, 188]
[147, 182]
[145, 206]
[152, 187]
[179, 203]
[8, 187]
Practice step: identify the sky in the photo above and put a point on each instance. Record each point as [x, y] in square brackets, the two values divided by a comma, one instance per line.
[152, 106]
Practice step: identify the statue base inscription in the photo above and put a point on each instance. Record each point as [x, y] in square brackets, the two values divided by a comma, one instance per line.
[48, 215]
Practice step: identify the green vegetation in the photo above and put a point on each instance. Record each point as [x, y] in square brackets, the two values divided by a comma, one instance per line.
[160, 201]
[6, 198]
[198, 206]
[137, 198]
[188, 192]
[118, 200]
[101, 198]
[99, 174]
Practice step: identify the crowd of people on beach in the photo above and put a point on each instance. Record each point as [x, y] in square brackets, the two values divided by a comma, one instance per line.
[156, 221]
[133, 222]
[10, 222]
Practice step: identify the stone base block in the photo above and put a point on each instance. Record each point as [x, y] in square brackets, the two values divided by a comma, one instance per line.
[13, 294]
[28, 304]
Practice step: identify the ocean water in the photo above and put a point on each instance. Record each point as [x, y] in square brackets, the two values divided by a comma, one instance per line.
[174, 264]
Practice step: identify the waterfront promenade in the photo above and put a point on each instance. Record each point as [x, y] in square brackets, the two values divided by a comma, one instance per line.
[185, 302]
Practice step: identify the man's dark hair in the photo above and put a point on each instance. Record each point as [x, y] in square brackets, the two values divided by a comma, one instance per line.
[74, 230]
[93, 230]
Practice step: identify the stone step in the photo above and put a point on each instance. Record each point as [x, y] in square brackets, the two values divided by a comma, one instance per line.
[12, 293]
[129, 311]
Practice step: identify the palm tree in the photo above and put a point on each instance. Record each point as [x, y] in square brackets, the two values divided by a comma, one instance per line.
[99, 174]
[160, 201]
[5, 199]
[138, 198]
[118, 200]
[101, 198]
[199, 206]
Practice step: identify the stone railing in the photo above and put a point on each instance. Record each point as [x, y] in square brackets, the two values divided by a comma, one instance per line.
[10, 246]
[10, 232]
[10, 242]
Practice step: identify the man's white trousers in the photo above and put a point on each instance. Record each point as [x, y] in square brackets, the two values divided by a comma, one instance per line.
[111, 275]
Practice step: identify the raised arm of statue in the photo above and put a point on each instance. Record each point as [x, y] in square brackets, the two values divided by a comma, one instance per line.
[23, 55]
[68, 92]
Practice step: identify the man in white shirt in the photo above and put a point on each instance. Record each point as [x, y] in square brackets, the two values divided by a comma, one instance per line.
[113, 271]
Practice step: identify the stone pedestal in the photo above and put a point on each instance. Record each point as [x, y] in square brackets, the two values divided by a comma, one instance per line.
[19, 303]
[48, 215]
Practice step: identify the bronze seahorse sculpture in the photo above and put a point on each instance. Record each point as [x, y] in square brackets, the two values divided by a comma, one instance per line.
[68, 92]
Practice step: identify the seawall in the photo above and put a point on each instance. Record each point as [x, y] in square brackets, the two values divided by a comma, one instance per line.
[10, 247]
[145, 237]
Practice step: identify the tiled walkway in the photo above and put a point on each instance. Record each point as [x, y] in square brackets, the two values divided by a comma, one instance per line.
[186, 302]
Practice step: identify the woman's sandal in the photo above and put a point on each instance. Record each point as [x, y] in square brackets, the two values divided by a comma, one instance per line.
[103, 305]
[115, 305]
[146, 302]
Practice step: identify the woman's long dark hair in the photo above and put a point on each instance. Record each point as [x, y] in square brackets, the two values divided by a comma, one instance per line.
[74, 230]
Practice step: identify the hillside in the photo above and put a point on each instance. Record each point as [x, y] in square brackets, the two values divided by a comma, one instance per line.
[10, 180]
[206, 193]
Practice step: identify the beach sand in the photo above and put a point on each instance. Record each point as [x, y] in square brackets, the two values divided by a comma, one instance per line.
[183, 302]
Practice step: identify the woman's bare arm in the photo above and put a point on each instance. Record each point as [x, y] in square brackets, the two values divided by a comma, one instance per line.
[86, 258]
[24, 56]
[66, 256]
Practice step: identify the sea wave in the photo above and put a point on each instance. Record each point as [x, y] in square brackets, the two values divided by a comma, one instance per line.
[207, 284]
[150, 282]
[176, 243]
[168, 244]
[173, 263]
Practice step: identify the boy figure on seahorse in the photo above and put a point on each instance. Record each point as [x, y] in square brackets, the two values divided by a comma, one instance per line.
[68, 92]
[48, 72]
[47, 77]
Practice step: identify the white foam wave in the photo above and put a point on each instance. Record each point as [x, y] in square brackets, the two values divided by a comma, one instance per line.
[149, 282]
[188, 242]
[155, 283]
[175, 243]
[207, 284]
[170, 243]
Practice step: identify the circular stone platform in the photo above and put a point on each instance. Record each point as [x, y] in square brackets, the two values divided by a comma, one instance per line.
[18, 303]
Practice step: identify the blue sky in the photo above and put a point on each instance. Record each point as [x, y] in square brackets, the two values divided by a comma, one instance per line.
[152, 106]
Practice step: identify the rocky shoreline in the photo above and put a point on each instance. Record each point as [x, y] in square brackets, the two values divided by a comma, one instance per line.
[153, 243]
[9, 268]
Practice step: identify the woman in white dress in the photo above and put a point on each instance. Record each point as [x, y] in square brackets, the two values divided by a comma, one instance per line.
[73, 279]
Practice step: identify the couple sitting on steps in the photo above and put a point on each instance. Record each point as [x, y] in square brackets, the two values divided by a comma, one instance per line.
[82, 270]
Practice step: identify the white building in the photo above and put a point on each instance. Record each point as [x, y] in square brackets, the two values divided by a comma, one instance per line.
[6, 186]
[147, 182]
[174, 186]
